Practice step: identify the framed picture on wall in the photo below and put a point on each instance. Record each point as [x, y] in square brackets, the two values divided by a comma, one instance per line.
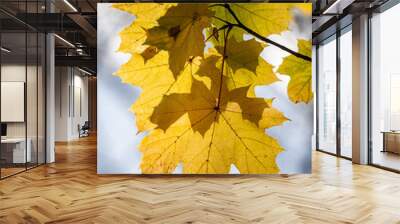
[204, 88]
[12, 101]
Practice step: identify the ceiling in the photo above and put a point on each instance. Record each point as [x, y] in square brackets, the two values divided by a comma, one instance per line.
[332, 15]
[75, 23]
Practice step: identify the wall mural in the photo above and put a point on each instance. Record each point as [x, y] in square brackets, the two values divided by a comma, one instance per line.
[195, 72]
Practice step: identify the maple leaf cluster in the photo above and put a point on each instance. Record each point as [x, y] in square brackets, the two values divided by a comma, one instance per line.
[197, 74]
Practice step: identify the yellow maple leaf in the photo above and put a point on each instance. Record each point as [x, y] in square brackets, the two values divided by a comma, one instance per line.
[180, 32]
[299, 70]
[146, 15]
[162, 151]
[244, 66]
[229, 139]
[213, 114]
[199, 111]
[205, 96]
[257, 110]
[195, 103]
[132, 38]
[146, 75]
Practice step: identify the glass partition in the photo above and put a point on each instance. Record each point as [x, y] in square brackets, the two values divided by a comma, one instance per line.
[385, 90]
[31, 99]
[22, 77]
[14, 155]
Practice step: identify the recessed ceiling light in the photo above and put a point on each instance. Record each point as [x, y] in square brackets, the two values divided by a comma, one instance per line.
[70, 5]
[84, 71]
[5, 50]
[64, 40]
[331, 7]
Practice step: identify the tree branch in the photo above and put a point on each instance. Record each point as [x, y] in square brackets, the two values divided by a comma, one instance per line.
[297, 54]
[257, 35]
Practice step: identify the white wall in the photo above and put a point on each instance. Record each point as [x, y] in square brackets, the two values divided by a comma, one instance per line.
[71, 102]
[62, 81]
[80, 111]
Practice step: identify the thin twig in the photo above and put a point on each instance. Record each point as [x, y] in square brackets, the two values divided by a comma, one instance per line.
[255, 34]
[219, 29]
[222, 20]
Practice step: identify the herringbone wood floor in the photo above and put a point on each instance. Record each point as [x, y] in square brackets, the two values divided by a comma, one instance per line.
[70, 191]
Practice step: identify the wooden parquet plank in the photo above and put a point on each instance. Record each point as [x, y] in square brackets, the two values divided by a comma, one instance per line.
[70, 191]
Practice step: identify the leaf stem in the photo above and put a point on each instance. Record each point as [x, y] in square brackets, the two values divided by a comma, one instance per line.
[222, 67]
[239, 24]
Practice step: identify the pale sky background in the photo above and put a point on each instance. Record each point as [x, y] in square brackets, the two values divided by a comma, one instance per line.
[117, 139]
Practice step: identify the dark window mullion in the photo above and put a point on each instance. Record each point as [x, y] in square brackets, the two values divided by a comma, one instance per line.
[338, 81]
[317, 96]
[37, 90]
[0, 94]
[369, 96]
[26, 87]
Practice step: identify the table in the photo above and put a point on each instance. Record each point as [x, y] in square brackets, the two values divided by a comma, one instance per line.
[17, 149]
[391, 141]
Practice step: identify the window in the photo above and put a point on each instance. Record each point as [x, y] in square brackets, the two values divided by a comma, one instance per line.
[335, 74]
[327, 96]
[346, 92]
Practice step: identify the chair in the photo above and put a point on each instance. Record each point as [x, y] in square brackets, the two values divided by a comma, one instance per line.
[84, 130]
